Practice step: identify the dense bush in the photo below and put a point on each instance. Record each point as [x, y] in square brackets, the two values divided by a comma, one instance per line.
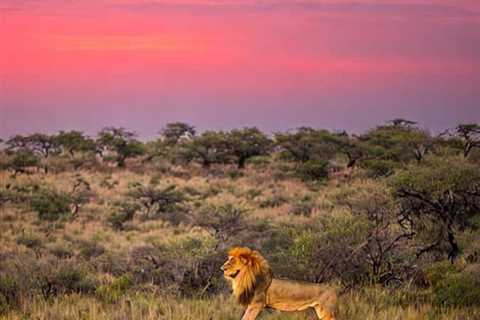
[51, 204]
[111, 293]
[313, 170]
[70, 278]
[22, 160]
[376, 168]
[9, 294]
[454, 288]
[124, 212]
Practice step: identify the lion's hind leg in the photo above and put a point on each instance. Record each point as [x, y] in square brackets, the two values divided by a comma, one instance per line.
[323, 313]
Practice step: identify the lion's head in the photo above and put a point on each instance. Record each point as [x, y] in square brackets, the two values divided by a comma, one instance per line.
[248, 271]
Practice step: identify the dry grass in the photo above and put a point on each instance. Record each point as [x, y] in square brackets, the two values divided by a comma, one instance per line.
[149, 306]
[256, 191]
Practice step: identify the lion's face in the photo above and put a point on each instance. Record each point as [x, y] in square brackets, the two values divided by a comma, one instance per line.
[232, 267]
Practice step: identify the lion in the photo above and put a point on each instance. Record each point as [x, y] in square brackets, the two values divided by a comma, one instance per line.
[255, 288]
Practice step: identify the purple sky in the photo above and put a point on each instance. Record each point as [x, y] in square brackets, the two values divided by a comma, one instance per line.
[220, 64]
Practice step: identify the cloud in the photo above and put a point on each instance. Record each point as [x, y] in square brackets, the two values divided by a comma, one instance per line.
[448, 8]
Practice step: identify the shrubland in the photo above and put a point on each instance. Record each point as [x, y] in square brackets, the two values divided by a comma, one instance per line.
[115, 228]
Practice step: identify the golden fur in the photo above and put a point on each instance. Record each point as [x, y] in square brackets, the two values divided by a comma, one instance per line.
[254, 287]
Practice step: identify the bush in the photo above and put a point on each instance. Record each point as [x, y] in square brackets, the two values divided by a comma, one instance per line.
[458, 290]
[91, 249]
[149, 264]
[303, 207]
[70, 278]
[30, 241]
[378, 168]
[313, 170]
[165, 202]
[111, 293]
[22, 160]
[61, 251]
[125, 212]
[9, 297]
[454, 288]
[50, 204]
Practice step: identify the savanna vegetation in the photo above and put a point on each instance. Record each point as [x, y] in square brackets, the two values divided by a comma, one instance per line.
[112, 227]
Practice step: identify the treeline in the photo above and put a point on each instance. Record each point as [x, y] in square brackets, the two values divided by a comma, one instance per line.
[317, 152]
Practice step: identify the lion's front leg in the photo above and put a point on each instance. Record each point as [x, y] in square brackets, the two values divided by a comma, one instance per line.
[252, 311]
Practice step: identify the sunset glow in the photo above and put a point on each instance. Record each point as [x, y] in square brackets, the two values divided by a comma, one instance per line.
[229, 63]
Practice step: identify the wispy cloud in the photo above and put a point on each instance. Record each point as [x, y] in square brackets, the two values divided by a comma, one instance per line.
[455, 8]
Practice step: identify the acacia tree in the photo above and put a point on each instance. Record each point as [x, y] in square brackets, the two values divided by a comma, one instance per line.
[121, 142]
[169, 144]
[38, 144]
[469, 134]
[74, 141]
[399, 141]
[21, 160]
[209, 148]
[385, 233]
[442, 196]
[246, 143]
[306, 144]
[174, 131]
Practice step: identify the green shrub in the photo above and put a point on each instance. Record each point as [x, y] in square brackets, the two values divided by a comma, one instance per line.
[70, 278]
[378, 168]
[125, 211]
[22, 160]
[453, 288]
[9, 297]
[111, 293]
[50, 204]
[313, 170]
[457, 290]
[91, 249]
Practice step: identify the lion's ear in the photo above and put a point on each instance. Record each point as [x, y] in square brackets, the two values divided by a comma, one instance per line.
[244, 260]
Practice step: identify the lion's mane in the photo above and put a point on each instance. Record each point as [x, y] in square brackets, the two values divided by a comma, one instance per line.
[255, 274]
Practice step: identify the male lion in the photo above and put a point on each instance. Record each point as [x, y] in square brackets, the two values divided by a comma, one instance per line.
[254, 287]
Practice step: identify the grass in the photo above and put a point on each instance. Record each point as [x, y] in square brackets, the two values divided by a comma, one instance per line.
[144, 306]
[89, 240]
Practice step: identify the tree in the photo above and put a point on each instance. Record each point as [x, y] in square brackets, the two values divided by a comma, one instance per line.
[306, 144]
[222, 222]
[21, 160]
[400, 141]
[119, 141]
[469, 134]
[209, 148]
[399, 122]
[384, 231]
[349, 146]
[441, 195]
[154, 201]
[42, 144]
[173, 132]
[74, 141]
[246, 143]
[39, 144]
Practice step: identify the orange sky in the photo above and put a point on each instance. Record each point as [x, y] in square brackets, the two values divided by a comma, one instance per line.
[276, 64]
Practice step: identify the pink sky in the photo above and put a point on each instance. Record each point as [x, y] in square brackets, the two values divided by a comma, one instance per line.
[277, 64]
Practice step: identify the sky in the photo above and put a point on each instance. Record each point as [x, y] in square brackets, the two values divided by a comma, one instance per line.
[221, 64]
